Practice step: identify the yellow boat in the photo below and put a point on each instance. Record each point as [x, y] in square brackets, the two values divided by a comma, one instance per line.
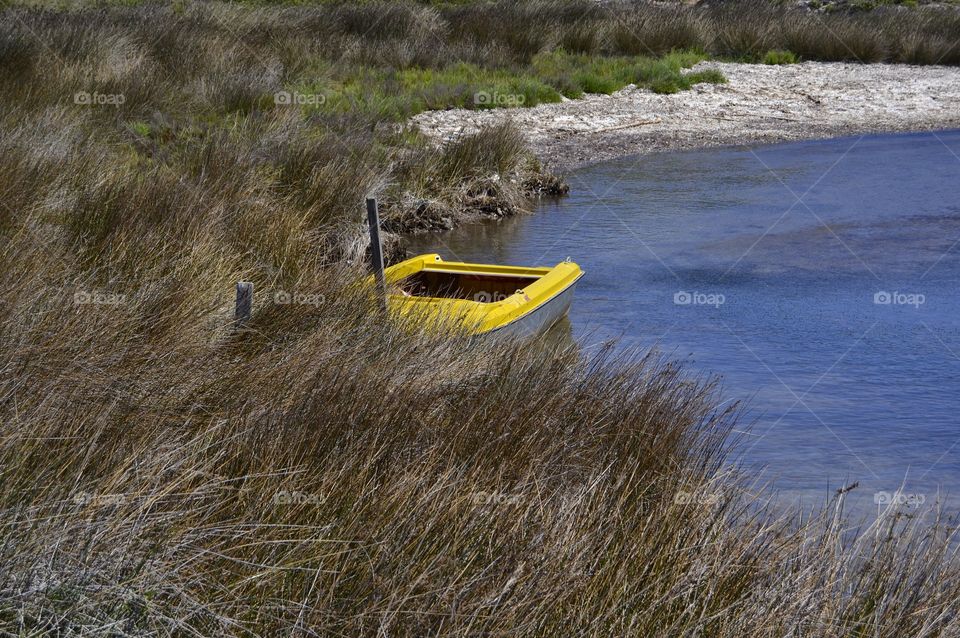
[481, 298]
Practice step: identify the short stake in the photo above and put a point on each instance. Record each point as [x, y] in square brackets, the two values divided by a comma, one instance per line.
[241, 315]
[376, 248]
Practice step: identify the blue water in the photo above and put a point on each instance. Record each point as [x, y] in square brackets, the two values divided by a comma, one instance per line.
[785, 254]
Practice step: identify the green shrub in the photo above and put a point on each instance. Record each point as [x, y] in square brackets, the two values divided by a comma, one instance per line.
[779, 57]
[707, 76]
[574, 75]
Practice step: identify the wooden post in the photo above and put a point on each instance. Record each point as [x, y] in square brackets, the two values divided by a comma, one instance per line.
[376, 248]
[241, 315]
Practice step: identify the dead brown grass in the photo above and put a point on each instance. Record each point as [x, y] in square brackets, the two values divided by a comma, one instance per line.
[324, 472]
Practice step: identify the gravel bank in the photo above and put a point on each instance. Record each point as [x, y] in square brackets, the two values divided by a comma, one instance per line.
[760, 103]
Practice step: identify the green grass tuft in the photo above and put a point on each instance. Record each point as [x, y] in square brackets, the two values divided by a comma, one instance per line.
[574, 75]
[779, 57]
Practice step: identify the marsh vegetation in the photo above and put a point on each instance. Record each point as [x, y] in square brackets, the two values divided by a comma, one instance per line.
[321, 472]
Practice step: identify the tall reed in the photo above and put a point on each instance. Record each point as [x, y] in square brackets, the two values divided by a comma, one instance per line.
[325, 472]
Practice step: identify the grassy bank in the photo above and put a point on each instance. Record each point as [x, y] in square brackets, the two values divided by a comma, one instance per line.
[290, 107]
[324, 473]
[740, 29]
[502, 34]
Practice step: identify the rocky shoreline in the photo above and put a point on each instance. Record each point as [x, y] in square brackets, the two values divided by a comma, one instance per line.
[758, 104]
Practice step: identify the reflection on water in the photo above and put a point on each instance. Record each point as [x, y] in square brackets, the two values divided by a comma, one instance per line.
[819, 279]
[558, 338]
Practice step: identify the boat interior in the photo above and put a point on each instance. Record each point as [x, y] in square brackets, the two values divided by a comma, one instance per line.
[486, 288]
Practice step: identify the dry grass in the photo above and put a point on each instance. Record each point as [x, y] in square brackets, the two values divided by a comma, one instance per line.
[151, 114]
[324, 473]
[742, 29]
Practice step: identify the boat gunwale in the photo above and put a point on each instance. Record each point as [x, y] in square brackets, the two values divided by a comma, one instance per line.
[490, 270]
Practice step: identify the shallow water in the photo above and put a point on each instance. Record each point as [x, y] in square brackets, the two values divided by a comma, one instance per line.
[772, 267]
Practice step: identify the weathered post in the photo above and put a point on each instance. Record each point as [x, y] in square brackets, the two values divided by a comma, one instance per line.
[376, 248]
[241, 315]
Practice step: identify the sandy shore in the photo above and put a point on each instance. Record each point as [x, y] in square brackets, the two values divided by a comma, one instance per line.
[760, 103]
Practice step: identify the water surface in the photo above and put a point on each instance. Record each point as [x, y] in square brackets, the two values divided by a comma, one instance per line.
[818, 279]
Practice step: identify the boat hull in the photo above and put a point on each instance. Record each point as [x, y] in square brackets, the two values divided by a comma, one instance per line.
[481, 299]
[538, 320]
